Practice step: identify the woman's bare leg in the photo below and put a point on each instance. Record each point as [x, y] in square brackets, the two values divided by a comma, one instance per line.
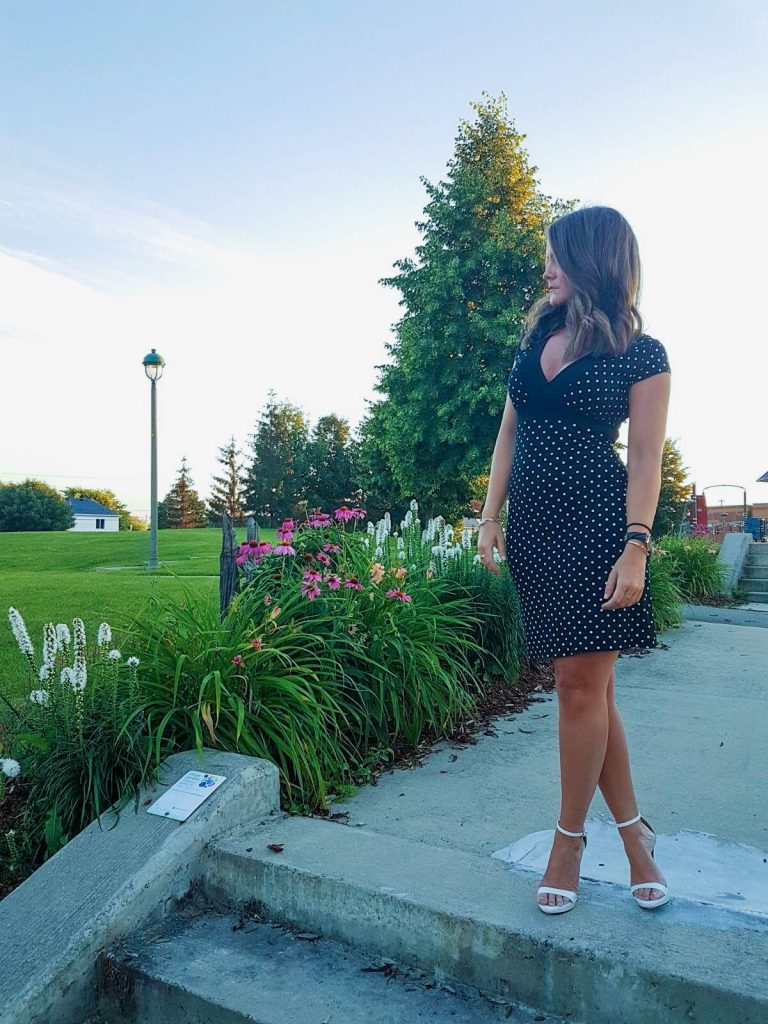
[581, 681]
[618, 792]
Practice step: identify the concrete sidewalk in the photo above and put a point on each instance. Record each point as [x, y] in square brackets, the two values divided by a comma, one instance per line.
[694, 712]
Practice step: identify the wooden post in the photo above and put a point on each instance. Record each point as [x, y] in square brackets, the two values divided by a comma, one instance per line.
[251, 529]
[227, 567]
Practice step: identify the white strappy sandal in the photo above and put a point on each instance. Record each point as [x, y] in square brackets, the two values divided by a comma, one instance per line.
[647, 904]
[571, 895]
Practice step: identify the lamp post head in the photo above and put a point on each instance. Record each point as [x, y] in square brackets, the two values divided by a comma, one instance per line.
[153, 365]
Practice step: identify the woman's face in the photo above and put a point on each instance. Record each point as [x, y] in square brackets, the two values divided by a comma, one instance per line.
[559, 286]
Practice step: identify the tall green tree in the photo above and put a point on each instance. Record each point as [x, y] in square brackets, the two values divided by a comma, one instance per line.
[182, 508]
[675, 490]
[275, 482]
[109, 500]
[377, 489]
[477, 271]
[228, 490]
[33, 505]
[329, 469]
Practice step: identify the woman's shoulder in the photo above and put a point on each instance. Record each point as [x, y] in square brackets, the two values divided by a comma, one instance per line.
[646, 356]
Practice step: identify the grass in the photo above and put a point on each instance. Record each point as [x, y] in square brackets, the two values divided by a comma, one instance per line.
[57, 576]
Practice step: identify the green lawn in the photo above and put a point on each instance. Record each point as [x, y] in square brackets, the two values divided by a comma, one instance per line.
[57, 576]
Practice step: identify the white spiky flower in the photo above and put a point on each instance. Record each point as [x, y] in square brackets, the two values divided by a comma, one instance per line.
[114, 655]
[79, 670]
[66, 676]
[9, 767]
[104, 635]
[132, 662]
[39, 696]
[45, 673]
[21, 633]
[50, 644]
[79, 679]
[63, 637]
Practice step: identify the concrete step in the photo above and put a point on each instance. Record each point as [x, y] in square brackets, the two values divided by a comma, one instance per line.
[754, 571]
[215, 968]
[468, 918]
[758, 554]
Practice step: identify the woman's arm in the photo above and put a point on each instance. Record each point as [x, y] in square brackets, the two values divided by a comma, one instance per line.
[501, 463]
[648, 404]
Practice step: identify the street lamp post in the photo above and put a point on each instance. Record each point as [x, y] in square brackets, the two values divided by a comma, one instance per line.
[153, 367]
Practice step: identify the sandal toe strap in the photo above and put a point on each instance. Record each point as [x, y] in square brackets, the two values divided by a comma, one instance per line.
[558, 892]
[650, 885]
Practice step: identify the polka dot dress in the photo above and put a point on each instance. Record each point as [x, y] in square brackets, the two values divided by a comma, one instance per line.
[567, 500]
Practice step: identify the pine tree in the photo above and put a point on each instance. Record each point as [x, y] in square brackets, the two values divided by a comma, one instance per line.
[674, 493]
[329, 465]
[182, 508]
[479, 269]
[227, 493]
[275, 483]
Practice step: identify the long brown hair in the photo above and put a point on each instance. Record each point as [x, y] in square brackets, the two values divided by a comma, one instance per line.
[597, 250]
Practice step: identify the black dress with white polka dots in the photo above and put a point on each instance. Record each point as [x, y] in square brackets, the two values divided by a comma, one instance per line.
[567, 500]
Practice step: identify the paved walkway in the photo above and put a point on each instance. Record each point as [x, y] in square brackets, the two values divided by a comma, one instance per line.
[694, 712]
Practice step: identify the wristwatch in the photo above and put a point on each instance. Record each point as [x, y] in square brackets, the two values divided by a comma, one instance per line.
[640, 539]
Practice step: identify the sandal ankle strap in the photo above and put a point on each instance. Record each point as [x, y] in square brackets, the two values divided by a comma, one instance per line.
[621, 824]
[566, 833]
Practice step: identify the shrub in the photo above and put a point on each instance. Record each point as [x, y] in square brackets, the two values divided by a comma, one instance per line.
[700, 571]
[73, 751]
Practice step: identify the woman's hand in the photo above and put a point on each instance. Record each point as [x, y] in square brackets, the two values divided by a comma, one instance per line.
[626, 580]
[491, 536]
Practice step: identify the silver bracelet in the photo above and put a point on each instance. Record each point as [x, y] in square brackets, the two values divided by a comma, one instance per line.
[489, 519]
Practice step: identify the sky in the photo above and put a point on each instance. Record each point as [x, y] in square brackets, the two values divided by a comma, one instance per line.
[227, 182]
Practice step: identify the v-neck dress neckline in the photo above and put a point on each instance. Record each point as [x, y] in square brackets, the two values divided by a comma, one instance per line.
[548, 381]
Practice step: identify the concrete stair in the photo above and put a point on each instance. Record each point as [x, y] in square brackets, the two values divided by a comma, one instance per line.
[217, 968]
[754, 575]
[461, 917]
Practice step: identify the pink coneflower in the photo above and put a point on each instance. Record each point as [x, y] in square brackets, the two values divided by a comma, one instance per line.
[285, 535]
[399, 594]
[353, 583]
[310, 589]
[259, 547]
[344, 513]
[283, 549]
[359, 513]
[319, 519]
[237, 660]
[322, 558]
[288, 524]
[334, 548]
[333, 581]
[313, 574]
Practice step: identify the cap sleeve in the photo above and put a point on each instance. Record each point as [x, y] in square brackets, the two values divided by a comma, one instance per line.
[647, 357]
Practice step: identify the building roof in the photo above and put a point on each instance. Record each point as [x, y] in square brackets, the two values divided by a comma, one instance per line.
[89, 507]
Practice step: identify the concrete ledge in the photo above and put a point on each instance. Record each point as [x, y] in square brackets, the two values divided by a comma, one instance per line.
[733, 553]
[106, 881]
[466, 918]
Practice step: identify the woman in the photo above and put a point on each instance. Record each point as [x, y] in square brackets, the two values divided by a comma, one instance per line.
[579, 522]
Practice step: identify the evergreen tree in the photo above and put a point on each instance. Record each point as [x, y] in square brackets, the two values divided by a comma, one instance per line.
[479, 269]
[675, 491]
[329, 469]
[182, 508]
[33, 505]
[275, 482]
[227, 491]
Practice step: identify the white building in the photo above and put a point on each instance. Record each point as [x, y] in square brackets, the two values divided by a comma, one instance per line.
[90, 515]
